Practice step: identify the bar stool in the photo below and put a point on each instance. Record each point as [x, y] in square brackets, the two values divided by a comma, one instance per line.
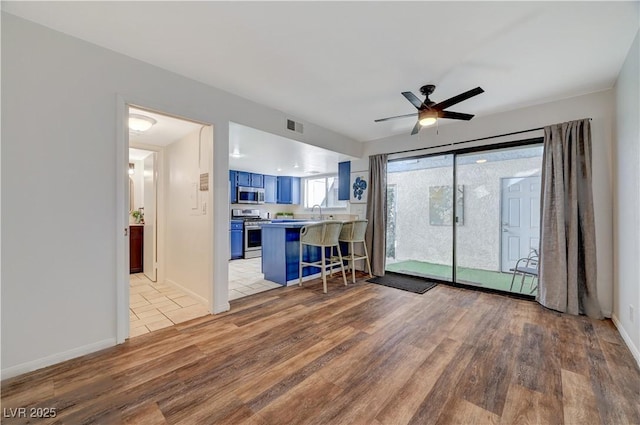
[352, 232]
[322, 235]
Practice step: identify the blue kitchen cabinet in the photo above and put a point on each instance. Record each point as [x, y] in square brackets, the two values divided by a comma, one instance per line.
[247, 179]
[257, 180]
[288, 190]
[270, 189]
[344, 180]
[236, 237]
[233, 186]
[243, 178]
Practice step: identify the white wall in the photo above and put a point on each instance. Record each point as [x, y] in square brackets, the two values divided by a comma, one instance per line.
[598, 106]
[627, 201]
[60, 103]
[188, 244]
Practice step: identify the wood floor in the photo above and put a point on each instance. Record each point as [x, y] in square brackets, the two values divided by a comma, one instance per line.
[362, 354]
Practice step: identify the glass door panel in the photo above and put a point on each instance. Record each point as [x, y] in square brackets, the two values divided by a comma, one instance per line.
[498, 217]
[420, 217]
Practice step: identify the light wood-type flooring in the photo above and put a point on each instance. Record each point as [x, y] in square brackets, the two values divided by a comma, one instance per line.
[361, 354]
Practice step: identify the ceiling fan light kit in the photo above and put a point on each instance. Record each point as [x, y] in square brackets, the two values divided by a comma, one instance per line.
[429, 111]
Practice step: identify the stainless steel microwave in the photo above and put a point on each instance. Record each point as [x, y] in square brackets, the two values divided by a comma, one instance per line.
[250, 195]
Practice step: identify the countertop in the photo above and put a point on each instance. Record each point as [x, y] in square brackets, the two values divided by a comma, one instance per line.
[294, 224]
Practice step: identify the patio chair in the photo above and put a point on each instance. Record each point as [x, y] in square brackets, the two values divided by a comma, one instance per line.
[526, 266]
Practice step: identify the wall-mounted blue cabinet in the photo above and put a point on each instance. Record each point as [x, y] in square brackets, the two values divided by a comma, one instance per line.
[344, 180]
[277, 190]
[288, 190]
[250, 179]
[270, 189]
[233, 185]
[257, 180]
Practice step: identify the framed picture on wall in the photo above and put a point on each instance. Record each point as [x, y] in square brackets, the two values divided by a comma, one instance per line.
[359, 187]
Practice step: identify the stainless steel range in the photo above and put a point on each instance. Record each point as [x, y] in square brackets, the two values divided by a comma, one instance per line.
[252, 230]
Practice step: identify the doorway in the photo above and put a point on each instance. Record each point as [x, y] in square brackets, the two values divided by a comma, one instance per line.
[170, 166]
[520, 219]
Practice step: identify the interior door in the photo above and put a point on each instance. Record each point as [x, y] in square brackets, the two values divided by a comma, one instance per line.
[520, 221]
[150, 255]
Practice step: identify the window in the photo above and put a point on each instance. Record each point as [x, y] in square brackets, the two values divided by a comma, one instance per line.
[322, 191]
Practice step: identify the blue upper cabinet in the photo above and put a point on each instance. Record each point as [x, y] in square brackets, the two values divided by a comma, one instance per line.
[270, 189]
[233, 185]
[243, 179]
[344, 180]
[288, 190]
[295, 190]
[257, 180]
[246, 179]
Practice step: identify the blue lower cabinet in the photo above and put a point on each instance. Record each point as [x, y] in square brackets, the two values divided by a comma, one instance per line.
[281, 254]
[237, 239]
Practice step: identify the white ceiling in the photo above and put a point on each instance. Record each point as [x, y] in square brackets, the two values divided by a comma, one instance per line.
[250, 149]
[343, 64]
[165, 131]
[260, 152]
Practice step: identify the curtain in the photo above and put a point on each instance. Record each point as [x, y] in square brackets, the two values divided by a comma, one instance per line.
[377, 213]
[567, 239]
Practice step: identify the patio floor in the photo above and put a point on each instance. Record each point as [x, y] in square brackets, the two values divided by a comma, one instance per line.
[476, 277]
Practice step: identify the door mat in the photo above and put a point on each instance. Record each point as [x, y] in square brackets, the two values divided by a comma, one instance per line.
[413, 284]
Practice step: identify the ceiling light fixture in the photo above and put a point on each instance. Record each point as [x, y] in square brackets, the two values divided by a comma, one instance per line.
[427, 117]
[140, 123]
[236, 153]
[481, 161]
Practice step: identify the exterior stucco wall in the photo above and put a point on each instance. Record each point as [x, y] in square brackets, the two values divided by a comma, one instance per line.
[479, 237]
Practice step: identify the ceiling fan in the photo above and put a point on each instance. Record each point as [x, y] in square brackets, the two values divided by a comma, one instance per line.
[429, 111]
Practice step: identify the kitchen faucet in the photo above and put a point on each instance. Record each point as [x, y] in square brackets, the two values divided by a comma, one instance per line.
[312, 208]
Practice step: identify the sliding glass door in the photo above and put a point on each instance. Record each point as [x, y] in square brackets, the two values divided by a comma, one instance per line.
[420, 216]
[501, 203]
[473, 235]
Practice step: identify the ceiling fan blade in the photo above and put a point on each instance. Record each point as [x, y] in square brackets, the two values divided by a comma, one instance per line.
[457, 99]
[413, 99]
[454, 115]
[416, 128]
[397, 116]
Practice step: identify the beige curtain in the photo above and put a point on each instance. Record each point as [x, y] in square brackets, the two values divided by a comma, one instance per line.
[377, 213]
[567, 240]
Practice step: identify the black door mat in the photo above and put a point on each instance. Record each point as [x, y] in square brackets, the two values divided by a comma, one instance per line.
[413, 284]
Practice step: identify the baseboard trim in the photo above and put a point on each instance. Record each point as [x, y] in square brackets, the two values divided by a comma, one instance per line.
[199, 298]
[221, 308]
[627, 339]
[22, 368]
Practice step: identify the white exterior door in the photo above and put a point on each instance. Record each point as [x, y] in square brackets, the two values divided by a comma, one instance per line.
[520, 221]
[150, 216]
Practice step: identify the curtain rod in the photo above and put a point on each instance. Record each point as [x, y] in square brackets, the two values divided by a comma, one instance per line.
[473, 140]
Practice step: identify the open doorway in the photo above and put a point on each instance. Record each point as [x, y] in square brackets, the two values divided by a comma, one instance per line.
[170, 224]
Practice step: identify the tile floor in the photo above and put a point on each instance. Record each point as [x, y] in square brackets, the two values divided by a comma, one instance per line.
[154, 306]
[246, 278]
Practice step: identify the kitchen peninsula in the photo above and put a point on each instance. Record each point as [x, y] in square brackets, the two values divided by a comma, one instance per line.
[281, 252]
